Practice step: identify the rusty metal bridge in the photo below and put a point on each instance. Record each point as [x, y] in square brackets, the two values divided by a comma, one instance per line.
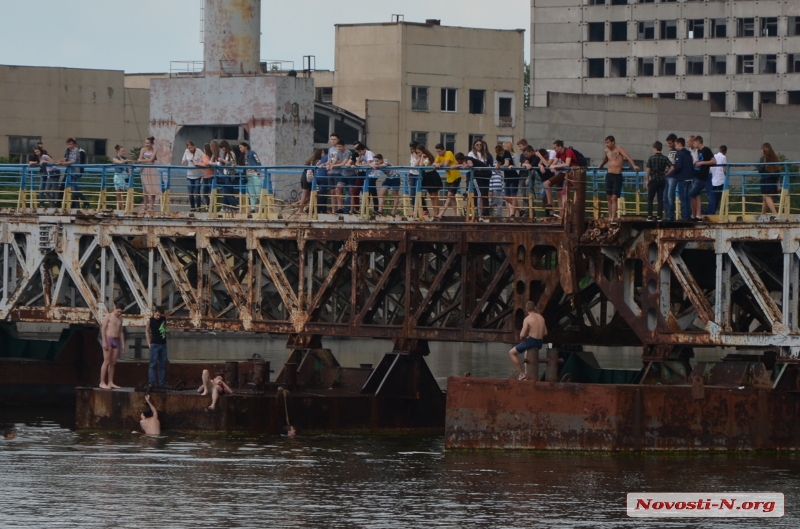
[662, 286]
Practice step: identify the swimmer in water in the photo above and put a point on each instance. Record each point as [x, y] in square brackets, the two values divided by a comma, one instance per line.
[9, 434]
[289, 431]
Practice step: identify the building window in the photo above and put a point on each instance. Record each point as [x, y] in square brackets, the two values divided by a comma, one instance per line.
[745, 64]
[448, 139]
[717, 64]
[619, 31]
[669, 29]
[419, 98]
[667, 66]
[719, 28]
[618, 67]
[717, 100]
[420, 137]
[597, 2]
[767, 64]
[696, 29]
[20, 148]
[504, 103]
[473, 138]
[477, 101]
[324, 94]
[503, 139]
[744, 101]
[793, 63]
[794, 97]
[597, 31]
[95, 149]
[694, 65]
[793, 26]
[745, 27]
[769, 98]
[596, 67]
[647, 30]
[647, 1]
[449, 99]
[619, 2]
[694, 96]
[646, 67]
[666, 95]
[769, 26]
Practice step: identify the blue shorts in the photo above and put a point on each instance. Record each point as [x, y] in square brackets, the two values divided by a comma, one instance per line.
[391, 182]
[529, 343]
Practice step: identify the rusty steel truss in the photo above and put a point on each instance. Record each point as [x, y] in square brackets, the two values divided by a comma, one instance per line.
[409, 282]
[668, 287]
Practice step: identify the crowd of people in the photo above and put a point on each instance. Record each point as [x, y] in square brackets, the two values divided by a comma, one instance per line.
[500, 180]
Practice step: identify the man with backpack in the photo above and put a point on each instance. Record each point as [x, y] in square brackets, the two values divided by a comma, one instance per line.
[76, 156]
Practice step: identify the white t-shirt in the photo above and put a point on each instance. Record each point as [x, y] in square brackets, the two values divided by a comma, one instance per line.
[718, 171]
[551, 154]
[191, 161]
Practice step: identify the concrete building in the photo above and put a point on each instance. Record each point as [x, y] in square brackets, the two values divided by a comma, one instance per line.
[429, 83]
[52, 104]
[232, 97]
[583, 121]
[735, 54]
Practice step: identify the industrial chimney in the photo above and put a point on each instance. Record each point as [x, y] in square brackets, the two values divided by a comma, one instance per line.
[232, 37]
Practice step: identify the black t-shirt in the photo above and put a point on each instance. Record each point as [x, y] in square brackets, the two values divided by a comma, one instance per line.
[158, 330]
[506, 156]
[703, 155]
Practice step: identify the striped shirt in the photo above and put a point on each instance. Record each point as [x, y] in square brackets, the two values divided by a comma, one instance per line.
[658, 165]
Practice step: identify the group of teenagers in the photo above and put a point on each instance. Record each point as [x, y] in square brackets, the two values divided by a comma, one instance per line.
[341, 174]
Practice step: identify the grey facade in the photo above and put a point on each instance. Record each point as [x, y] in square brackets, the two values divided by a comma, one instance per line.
[736, 54]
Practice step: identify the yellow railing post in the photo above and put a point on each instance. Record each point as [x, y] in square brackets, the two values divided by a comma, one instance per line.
[165, 202]
[312, 205]
[129, 200]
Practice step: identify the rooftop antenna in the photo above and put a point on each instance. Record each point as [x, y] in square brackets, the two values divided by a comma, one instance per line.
[396, 19]
[309, 64]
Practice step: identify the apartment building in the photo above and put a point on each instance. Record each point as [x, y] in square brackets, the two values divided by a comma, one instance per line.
[428, 83]
[736, 54]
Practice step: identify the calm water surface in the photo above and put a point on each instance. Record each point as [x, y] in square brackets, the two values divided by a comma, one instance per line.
[55, 477]
[52, 476]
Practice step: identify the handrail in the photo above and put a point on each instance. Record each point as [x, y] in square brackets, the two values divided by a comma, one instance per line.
[22, 187]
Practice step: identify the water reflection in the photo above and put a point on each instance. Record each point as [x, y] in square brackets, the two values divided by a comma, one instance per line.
[53, 476]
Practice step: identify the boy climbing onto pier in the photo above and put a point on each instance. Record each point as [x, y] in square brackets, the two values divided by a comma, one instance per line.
[149, 419]
[533, 330]
[113, 339]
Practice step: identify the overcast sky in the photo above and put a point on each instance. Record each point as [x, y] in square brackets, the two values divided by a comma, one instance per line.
[145, 35]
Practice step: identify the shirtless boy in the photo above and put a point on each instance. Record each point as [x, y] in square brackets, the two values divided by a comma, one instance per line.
[113, 338]
[149, 419]
[614, 155]
[215, 386]
[533, 330]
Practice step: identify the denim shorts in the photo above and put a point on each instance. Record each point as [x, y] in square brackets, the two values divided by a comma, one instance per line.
[698, 186]
[391, 182]
[121, 181]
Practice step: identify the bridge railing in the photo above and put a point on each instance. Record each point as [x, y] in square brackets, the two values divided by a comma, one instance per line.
[273, 191]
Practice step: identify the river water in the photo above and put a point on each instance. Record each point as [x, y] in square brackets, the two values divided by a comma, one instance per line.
[53, 476]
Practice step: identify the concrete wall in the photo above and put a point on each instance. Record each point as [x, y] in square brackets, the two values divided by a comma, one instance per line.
[58, 103]
[277, 112]
[382, 130]
[584, 121]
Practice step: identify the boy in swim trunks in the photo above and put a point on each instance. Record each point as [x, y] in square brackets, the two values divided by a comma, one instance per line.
[215, 386]
[533, 330]
[113, 339]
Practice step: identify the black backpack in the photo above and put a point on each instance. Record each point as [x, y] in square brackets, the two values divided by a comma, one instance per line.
[581, 159]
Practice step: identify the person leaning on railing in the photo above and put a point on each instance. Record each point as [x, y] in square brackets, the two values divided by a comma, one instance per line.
[50, 176]
[480, 158]
[390, 184]
[431, 181]
[193, 157]
[307, 179]
[151, 181]
[503, 161]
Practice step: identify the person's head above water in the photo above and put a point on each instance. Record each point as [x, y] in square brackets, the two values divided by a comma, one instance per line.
[289, 431]
[9, 433]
